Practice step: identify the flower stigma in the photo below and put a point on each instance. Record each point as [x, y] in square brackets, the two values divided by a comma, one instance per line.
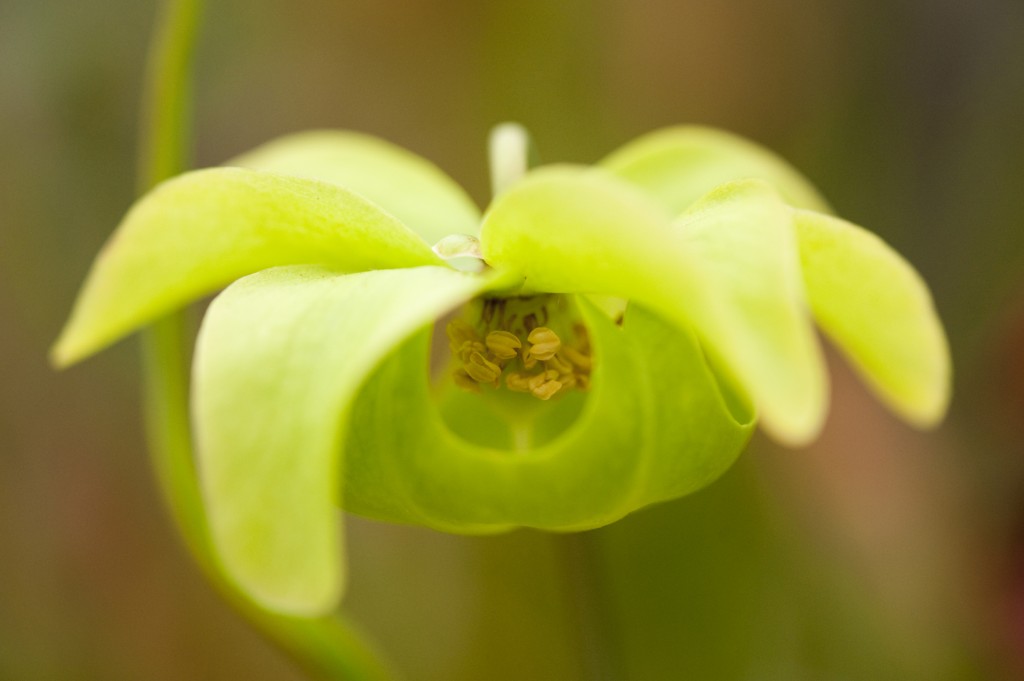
[527, 345]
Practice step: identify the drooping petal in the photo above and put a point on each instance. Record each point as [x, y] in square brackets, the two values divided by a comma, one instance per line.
[758, 308]
[879, 312]
[729, 267]
[655, 425]
[279, 360]
[201, 230]
[408, 186]
[679, 165]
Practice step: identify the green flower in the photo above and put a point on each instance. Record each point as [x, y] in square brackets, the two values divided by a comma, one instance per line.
[624, 327]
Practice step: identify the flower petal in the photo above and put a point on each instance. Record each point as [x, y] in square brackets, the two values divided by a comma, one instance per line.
[406, 185]
[679, 165]
[280, 358]
[876, 308]
[729, 267]
[201, 230]
[655, 425]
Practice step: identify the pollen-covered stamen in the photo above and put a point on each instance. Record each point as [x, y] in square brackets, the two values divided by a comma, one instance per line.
[483, 370]
[517, 382]
[545, 343]
[546, 390]
[504, 345]
[526, 340]
[559, 364]
[466, 350]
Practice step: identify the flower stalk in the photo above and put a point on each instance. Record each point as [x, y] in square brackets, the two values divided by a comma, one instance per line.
[325, 647]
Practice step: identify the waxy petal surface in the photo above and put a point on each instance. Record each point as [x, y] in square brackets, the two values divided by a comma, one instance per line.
[280, 358]
[202, 230]
[406, 185]
[879, 312]
[728, 267]
[677, 166]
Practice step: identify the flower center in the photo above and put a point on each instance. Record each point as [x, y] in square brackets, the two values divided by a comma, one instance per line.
[530, 345]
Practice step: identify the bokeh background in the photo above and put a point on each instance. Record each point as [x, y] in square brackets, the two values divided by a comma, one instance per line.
[878, 553]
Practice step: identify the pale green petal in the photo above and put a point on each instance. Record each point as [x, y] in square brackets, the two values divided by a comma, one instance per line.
[654, 426]
[679, 165]
[201, 230]
[729, 267]
[406, 185]
[758, 319]
[279, 360]
[879, 312]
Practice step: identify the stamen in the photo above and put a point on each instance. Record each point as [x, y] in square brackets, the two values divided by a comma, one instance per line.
[558, 364]
[511, 338]
[536, 381]
[483, 370]
[545, 343]
[517, 382]
[546, 391]
[503, 344]
[467, 349]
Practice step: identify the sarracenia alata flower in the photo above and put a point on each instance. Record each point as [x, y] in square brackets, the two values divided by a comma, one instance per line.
[623, 329]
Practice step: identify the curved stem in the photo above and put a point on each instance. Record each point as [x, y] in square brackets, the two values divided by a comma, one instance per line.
[327, 648]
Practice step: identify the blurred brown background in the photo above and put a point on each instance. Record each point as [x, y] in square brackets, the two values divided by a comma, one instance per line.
[878, 553]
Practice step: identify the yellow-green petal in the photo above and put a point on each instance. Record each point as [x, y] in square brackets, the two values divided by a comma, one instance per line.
[406, 185]
[728, 267]
[280, 358]
[677, 166]
[879, 312]
[198, 232]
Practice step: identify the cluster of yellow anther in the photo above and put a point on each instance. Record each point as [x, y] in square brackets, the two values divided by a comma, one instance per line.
[535, 360]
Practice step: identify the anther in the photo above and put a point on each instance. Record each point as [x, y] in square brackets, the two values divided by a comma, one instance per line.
[503, 345]
[546, 390]
[517, 382]
[545, 343]
[512, 339]
[467, 349]
[482, 370]
[559, 364]
[536, 381]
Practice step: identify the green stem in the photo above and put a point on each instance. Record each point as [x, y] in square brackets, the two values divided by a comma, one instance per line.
[327, 648]
[590, 613]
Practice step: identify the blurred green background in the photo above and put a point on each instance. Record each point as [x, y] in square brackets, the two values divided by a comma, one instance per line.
[877, 553]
